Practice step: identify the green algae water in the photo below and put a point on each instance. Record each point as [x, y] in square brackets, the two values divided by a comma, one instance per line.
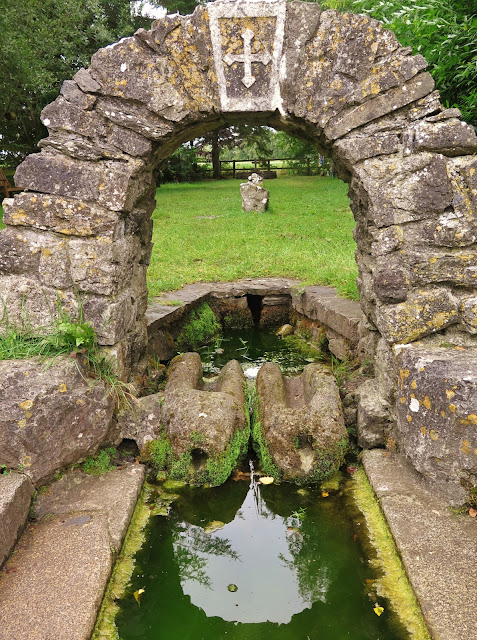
[253, 347]
[250, 562]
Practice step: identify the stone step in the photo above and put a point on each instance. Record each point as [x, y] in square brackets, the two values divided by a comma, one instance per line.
[438, 548]
[53, 584]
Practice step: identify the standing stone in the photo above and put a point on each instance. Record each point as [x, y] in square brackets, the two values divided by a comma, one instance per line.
[254, 196]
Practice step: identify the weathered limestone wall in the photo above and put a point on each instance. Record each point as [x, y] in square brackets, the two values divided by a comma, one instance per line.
[81, 231]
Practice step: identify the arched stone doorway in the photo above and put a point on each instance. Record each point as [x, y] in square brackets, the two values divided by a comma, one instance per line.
[82, 230]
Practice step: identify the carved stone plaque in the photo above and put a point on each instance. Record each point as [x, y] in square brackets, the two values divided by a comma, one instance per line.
[247, 42]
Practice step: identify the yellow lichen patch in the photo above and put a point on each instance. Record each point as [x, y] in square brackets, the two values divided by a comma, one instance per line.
[472, 418]
[393, 582]
[402, 400]
[426, 402]
[414, 384]
[27, 404]
[62, 388]
[452, 408]
[26, 462]
[443, 414]
[434, 435]
[465, 446]
[22, 423]
[449, 394]
[409, 418]
[423, 430]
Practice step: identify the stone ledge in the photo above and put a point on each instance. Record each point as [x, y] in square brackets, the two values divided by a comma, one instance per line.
[437, 548]
[317, 303]
[55, 579]
[16, 491]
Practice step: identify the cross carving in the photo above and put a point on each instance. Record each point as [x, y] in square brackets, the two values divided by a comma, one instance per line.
[247, 58]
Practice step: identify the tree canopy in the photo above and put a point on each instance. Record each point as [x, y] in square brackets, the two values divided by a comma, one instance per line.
[43, 43]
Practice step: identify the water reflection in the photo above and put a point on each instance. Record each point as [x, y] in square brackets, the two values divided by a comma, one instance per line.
[270, 558]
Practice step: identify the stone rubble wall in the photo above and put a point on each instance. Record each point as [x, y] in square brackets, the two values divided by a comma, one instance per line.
[81, 231]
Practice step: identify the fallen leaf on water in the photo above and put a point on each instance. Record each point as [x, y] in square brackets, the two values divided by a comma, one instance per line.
[324, 494]
[378, 610]
[266, 480]
[137, 595]
[355, 537]
[472, 512]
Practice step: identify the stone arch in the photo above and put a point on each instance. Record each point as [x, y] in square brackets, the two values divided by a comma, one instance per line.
[81, 229]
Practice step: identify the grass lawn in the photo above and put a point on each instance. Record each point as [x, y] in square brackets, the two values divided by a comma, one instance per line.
[306, 234]
[2, 226]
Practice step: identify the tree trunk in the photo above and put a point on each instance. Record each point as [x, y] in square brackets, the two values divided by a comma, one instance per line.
[216, 156]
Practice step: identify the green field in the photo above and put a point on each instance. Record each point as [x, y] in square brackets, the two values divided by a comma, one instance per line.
[201, 233]
[306, 234]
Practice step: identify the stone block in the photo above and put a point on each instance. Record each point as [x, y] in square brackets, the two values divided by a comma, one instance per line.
[339, 346]
[374, 420]
[101, 266]
[391, 280]
[24, 301]
[112, 317]
[136, 117]
[424, 312]
[322, 88]
[73, 94]
[302, 421]
[468, 310]
[114, 185]
[323, 304]
[62, 114]
[85, 82]
[62, 215]
[16, 492]
[401, 190]
[352, 149]
[451, 137]
[50, 417]
[436, 415]
[150, 83]
[394, 99]
[275, 311]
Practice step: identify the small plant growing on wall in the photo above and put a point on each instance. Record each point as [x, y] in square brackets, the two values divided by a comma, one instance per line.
[201, 327]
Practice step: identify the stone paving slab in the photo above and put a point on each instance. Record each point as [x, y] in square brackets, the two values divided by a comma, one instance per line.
[114, 493]
[438, 548]
[53, 583]
[16, 491]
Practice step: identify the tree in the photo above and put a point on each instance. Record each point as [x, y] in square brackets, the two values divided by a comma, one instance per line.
[443, 31]
[43, 43]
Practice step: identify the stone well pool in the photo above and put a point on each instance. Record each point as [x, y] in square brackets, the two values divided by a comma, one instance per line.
[245, 561]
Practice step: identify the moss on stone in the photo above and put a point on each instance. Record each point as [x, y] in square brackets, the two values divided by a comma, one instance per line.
[105, 628]
[160, 453]
[328, 461]
[393, 583]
